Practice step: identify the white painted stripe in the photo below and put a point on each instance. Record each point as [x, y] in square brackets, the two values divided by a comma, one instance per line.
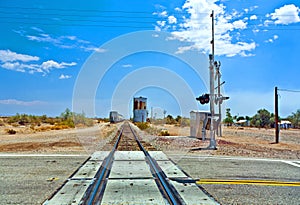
[43, 155]
[292, 163]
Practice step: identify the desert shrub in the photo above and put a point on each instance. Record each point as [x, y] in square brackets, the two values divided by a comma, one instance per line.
[164, 133]
[152, 130]
[72, 119]
[185, 122]
[11, 131]
[142, 125]
[67, 123]
[51, 120]
[60, 127]
[24, 119]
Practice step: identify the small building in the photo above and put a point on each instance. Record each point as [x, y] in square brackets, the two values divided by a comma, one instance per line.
[140, 112]
[243, 123]
[285, 124]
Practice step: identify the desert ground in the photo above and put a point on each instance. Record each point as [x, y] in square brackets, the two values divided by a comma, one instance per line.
[35, 163]
[235, 141]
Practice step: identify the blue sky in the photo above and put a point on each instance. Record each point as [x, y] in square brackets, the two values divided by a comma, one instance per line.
[53, 55]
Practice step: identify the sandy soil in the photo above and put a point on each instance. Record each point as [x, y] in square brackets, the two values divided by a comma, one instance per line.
[238, 141]
[250, 142]
[68, 141]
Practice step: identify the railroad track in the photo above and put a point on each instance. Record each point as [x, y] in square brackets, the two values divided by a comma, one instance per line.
[131, 173]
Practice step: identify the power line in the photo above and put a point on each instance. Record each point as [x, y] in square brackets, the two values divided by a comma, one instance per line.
[117, 11]
[74, 10]
[108, 17]
[287, 90]
[109, 11]
[78, 15]
[83, 25]
[80, 20]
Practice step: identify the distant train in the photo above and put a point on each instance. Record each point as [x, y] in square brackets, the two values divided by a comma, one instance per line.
[115, 117]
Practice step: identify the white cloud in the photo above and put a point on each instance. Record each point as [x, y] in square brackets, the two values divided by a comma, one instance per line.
[183, 49]
[253, 17]
[177, 9]
[13, 66]
[94, 49]
[286, 14]
[50, 64]
[43, 38]
[63, 77]
[271, 40]
[253, 8]
[196, 28]
[163, 14]
[172, 19]
[19, 102]
[127, 66]
[37, 29]
[9, 56]
[65, 42]
[240, 24]
[161, 23]
[19, 62]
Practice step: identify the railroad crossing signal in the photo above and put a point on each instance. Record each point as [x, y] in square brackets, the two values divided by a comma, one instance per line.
[203, 99]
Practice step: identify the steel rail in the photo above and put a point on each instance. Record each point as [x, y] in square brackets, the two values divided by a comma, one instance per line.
[102, 173]
[172, 197]
[93, 195]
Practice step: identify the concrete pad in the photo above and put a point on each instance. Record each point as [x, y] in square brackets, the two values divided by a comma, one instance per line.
[191, 194]
[170, 169]
[129, 155]
[88, 170]
[139, 191]
[71, 193]
[130, 169]
[158, 155]
[99, 156]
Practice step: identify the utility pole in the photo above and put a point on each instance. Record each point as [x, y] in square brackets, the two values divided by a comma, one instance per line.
[212, 144]
[276, 116]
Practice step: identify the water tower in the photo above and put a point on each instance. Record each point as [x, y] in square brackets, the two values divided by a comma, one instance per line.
[140, 112]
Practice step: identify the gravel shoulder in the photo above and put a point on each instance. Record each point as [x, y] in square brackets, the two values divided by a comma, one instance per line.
[235, 141]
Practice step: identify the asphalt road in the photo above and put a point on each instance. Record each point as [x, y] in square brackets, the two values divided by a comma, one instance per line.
[236, 180]
[30, 179]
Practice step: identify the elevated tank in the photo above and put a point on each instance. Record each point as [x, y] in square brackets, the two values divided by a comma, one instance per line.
[140, 112]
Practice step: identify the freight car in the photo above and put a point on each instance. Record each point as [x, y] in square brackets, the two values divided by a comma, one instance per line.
[115, 117]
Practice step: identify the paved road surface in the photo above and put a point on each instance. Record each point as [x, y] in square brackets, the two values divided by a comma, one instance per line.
[29, 179]
[265, 178]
